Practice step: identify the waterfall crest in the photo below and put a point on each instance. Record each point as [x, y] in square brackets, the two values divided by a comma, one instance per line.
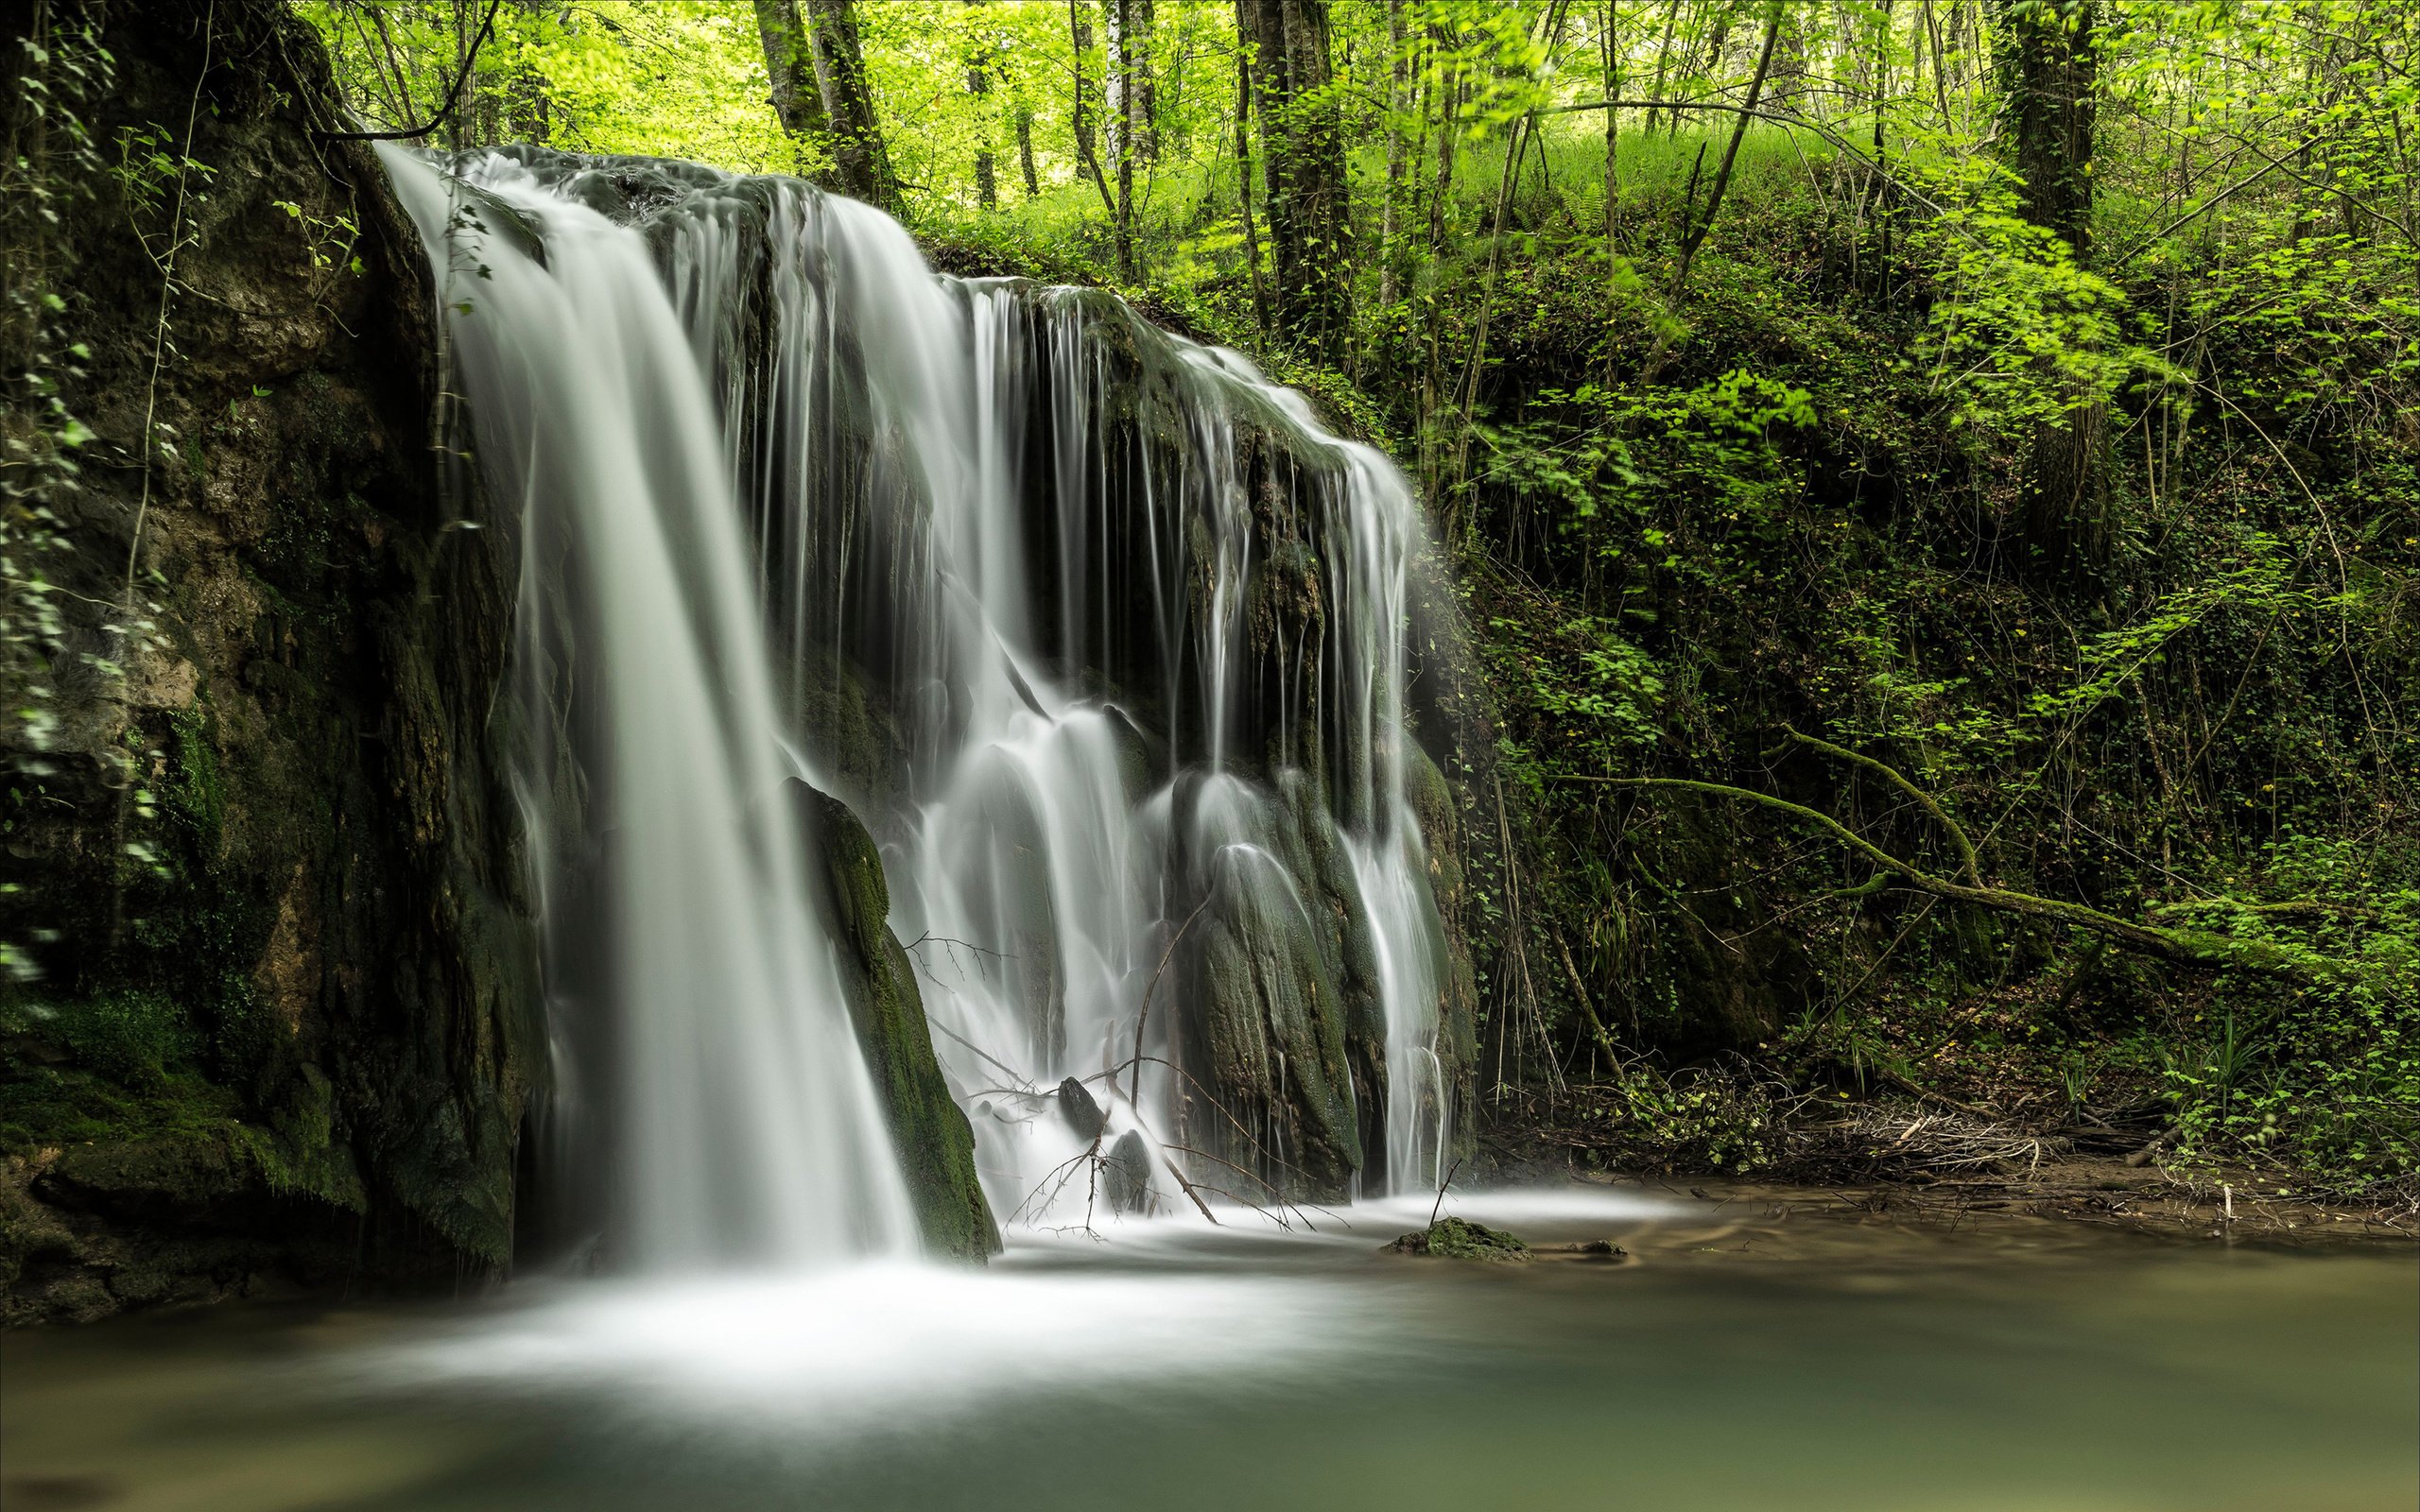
[1100, 632]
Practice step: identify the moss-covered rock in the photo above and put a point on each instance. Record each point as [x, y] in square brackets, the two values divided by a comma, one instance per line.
[1460, 1239]
[935, 1144]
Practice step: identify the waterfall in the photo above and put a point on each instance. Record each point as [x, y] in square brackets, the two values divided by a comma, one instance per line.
[743, 1123]
[1099, 631]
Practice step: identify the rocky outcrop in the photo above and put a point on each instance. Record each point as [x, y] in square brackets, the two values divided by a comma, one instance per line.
[928, 1130]
[262, 861]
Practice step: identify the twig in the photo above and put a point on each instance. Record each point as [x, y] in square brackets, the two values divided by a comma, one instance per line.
[1441, 1191]
[1011, 1072]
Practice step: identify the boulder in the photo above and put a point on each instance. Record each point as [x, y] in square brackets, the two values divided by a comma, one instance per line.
[1460, 1239]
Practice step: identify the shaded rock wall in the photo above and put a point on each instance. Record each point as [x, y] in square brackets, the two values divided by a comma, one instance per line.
[283, 1026]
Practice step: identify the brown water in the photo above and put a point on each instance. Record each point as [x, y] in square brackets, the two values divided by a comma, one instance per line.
[1753, 1354]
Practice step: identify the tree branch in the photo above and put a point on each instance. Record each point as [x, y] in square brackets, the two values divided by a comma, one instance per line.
[2180, 947]
[1923, 800]
[442, 111]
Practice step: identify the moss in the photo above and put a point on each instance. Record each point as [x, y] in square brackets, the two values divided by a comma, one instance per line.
[111, 1072]
[195, 791]
[1460, 1239]
[130, 1038]
[935, 1144]
[300, 1152]
[853, 738]
[42, 1105]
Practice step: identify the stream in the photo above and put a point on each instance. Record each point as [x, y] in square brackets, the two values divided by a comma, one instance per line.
[1752, 1348]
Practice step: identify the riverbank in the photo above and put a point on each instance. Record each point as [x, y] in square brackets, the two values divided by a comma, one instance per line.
[2224, 1207]
[1911, 1161]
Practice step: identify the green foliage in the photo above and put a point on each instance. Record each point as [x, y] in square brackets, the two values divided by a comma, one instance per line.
[51, 163]
[2325, 1078]
[134, 1039]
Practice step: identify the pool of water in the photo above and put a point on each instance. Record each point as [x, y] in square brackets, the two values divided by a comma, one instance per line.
[1752, 1350]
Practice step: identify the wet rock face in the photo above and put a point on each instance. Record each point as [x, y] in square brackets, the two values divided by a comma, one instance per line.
[929, 1131]
[266, 866]
[1126, 1173]
[1262, 984]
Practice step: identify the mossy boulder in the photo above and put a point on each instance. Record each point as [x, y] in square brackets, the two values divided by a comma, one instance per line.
[935, 1144]
[1460, 1239]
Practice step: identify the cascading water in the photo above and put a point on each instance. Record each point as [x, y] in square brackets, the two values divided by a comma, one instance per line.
[1100, 632]
[744, 1124]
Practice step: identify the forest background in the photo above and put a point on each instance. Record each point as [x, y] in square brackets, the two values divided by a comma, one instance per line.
[1932, 485]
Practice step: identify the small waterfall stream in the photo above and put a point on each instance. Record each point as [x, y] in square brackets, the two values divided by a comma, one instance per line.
[1100, 634]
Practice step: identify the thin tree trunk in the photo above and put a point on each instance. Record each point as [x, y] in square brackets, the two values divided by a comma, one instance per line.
[1143, 90]
[1939, 68]
[1612, 43]
[1398, 89]
[1243, 175]
[1450, 87]
[979, 83]
[1119, 84]
[1703, 224]
[1079, 36]
[1662, 62]
[1431, 399]
[1468, 396]
[1025, 153]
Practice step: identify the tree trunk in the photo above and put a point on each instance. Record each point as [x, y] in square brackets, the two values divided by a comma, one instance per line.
[1025, 153]
[1143, 90]
[1243, 183]
[1079, 36]
[1119, 80]
[1303, 144]
[979, 83]
[1610, 39]
[1440, 198]
[790, 62]
[2049, 69]
[1663, 62]
[1697, 232]
[1398, 92]
[860, 166]
[2049, 95]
